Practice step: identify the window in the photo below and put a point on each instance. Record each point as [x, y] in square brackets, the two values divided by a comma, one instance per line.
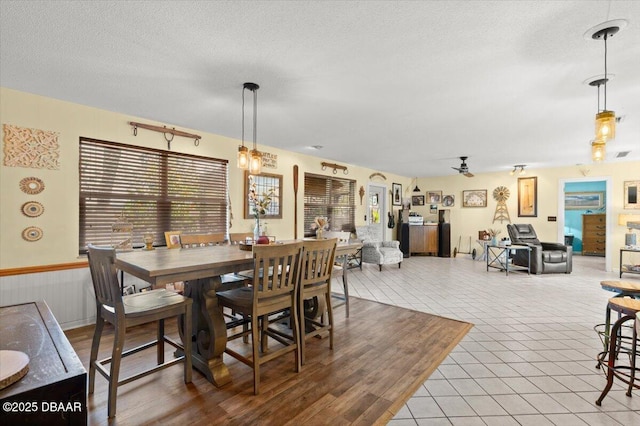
[156, 190]
[331, 197]
[265, 183]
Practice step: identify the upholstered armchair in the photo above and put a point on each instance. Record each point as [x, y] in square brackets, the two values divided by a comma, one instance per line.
[374, 250]
[546, 258]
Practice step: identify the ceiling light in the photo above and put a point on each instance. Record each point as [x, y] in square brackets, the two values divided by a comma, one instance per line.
[416, 189]
[250, 159]
[598, 150]
[605, 119]
[516, 167]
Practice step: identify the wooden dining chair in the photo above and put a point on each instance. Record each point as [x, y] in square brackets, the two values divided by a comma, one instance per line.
[314, 297]
[315, 283]
[128, 311]
[202, 240]
[240, 237]
[269, 293]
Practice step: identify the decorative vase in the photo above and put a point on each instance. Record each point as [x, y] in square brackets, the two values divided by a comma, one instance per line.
[319, 233]
[256, 230]
[494, 241]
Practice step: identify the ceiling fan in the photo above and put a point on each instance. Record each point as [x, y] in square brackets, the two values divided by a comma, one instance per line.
[463, 169]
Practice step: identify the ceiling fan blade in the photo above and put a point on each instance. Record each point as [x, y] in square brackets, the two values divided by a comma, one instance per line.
[455, 168]
[468, 174]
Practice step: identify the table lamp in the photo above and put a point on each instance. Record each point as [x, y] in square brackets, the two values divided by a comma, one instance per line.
[624, 220]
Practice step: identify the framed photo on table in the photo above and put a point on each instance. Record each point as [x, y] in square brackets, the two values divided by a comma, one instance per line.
[172, 238]
[396, 194]
[528, 197]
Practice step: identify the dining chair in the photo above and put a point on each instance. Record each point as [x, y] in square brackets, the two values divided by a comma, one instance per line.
[314, 297]
[341, 262]
[240, 237]
[129, 311]
[315, 283]
[201, 240]
[270, 293]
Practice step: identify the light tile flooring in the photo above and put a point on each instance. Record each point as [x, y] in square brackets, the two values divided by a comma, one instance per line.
[529, 360]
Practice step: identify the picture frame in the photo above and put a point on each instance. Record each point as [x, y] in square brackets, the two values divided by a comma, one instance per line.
[474, 198]
[264, 182]
[396, 194]
[528, 197]
[632, 194]
[434, 197]
[172, 238]
[583, 200]
[433, 209]
[449, 200]
[417, 200]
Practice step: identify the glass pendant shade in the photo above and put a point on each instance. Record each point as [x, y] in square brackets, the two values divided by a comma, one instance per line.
[243, 157]
[598, 150]
[606, 125]
[255, 162]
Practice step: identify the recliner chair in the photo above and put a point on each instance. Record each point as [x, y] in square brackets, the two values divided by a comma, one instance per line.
[546, 258]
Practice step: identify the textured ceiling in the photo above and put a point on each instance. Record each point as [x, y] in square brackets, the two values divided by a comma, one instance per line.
[401, 87]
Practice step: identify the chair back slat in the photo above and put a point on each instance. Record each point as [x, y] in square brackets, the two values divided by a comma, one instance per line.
[240, 237]
[318, 259]
[276, 269]
[201, 240]
[105, 277]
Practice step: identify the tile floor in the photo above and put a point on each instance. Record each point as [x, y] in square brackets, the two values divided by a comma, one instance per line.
[529, 360]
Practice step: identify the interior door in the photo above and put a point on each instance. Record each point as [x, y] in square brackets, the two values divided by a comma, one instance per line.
[376, 210]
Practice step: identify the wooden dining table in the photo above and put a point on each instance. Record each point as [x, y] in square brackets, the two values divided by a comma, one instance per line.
[200, 268]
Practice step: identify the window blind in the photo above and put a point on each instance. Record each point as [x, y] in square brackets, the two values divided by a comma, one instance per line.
[156, 190]
[331, 197]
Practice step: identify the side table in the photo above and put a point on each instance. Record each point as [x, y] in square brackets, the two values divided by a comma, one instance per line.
[627, 269]
[498, 258]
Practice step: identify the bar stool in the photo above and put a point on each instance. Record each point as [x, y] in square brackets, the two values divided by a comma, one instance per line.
[622, 289]
[619, 342]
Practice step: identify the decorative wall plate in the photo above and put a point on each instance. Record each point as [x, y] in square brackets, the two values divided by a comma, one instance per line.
[32, 209]
[32, 233]
[32, 185]
[448, 201]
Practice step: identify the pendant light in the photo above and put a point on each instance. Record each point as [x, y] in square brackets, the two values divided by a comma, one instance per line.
[605, 119]
[598, 150]
[416, 189]
[250, 159]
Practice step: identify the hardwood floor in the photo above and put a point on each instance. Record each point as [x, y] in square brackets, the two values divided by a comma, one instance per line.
[381, 355]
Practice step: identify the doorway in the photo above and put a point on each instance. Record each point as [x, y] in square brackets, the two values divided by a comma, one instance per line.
[377, 207]
[566, 217]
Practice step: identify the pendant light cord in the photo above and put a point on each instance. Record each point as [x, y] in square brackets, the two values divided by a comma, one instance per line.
[243, 89]
[255, 119]
[605, 72]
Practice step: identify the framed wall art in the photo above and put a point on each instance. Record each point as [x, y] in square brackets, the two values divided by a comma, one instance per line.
[434, 197]
[263, 184]
[474, 198]
[631, 192]
[396, 190]
[583, 200]
[433, 208]
[417, 200]
[449, 200]
[528, 197]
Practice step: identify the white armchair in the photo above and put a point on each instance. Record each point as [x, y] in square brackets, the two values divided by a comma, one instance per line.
[374, 250]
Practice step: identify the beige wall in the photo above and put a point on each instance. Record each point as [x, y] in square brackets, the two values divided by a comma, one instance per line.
[60, 197]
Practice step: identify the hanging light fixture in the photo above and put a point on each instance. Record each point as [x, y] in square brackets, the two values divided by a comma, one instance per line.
[250, 159]
[598, 150]
[516, 167]
[605, 124]
[416, 189]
